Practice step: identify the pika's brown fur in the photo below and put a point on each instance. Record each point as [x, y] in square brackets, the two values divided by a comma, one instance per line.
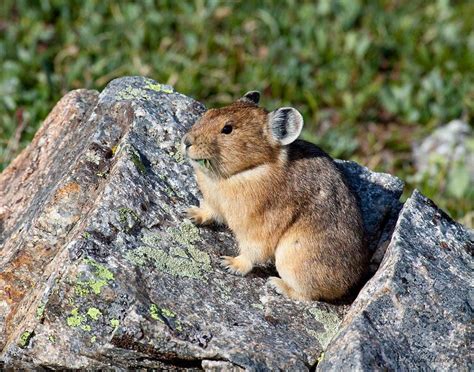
[284, 202]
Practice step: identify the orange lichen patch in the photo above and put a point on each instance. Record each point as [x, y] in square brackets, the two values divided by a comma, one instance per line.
[19, 279]
[10, 293]
[67, 190]
[13, 281]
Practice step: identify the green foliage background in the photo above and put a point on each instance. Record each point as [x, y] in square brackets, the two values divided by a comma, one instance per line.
[370, 77]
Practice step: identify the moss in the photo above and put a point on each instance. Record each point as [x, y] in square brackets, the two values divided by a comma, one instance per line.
[24, 339]
[330, 322]
[40, 311]
[94, 313]
[114, 323]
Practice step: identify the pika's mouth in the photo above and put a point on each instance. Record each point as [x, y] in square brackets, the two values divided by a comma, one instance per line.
[205, 163]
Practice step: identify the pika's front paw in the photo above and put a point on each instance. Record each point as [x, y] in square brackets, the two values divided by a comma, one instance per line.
[239, 265]
[198, 216]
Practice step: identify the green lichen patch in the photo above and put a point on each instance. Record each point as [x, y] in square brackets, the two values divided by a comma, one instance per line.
[151, 240]
[190, 262]
[25, 338]
[186, 234]
[86, 327]
[94, 313]
[174, 265]
[154, 312]
[40, 311]
[163, 315]
[178, 156]
[131, 93]
[101, 277]
[86, 235]
[160, 88]
[320, 358]
[97, 285]
[128, 218]
[100, 270]
[81, 289]
[52, 339]
[93, 339]
[114, 323]
[330, 322]
[200, 256]
[168, 313]
[75, 319]
[93, 157]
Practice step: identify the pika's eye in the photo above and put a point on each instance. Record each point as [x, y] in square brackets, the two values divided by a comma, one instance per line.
[227, 129]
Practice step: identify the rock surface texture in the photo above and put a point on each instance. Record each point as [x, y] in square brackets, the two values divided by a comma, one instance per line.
[416, 312]
[99, 267]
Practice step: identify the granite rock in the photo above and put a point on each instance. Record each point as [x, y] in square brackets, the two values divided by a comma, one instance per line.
[416, 312]
[99, 268]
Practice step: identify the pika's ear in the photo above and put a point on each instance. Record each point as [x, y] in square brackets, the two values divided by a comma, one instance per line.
[285, 124]
[252, 97]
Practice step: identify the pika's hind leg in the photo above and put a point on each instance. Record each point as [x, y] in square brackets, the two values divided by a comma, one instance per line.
[284, 289]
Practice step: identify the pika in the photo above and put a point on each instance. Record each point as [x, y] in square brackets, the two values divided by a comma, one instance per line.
[284, 199]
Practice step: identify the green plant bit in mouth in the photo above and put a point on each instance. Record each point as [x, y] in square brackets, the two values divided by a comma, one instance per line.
[205, 163]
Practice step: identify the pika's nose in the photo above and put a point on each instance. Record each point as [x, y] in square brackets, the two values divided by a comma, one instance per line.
[186, 141]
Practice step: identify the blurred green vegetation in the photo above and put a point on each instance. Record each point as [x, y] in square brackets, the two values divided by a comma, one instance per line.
[370, 77]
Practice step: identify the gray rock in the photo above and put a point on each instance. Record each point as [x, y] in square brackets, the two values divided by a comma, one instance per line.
[99, 268]
[448, 143]
[416, 312]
